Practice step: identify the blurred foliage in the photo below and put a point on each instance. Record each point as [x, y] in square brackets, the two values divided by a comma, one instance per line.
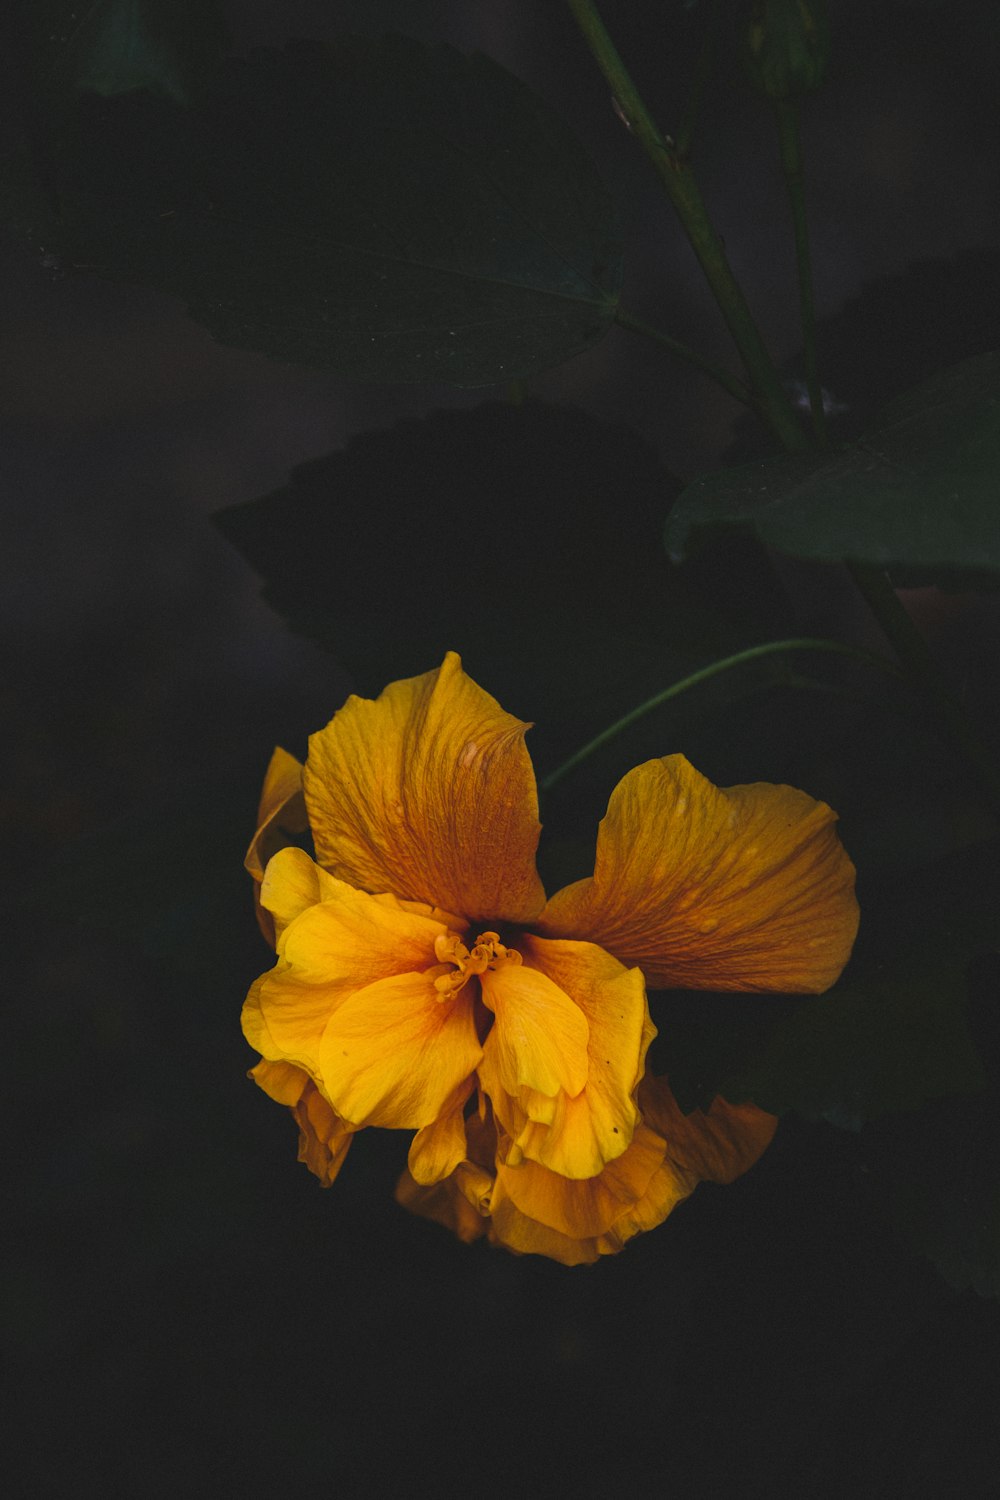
[381, 208]
[917, 491]
[168, 47]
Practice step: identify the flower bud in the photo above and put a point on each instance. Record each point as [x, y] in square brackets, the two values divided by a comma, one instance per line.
[784, 46]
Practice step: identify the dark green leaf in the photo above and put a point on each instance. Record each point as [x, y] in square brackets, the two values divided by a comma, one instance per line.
[382, 208]
[114, 46]
[523, 537]
[919, 490]
[891, 1037]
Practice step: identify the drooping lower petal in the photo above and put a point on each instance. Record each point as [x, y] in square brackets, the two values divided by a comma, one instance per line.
[428, 792]
[460, 1201]
[747, 888]
[394, 1053]
[581, 1221]
[577, 1135]
[440, 1147]
[323, 1137]
[717, 1145]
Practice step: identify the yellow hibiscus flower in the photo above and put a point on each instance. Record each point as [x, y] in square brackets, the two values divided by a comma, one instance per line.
[425, 983]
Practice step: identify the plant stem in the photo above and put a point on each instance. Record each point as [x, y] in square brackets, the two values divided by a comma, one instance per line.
[702, 73]
[753, 653]
[915, 654]
[790, 140]
[683, 192]
[735, 387]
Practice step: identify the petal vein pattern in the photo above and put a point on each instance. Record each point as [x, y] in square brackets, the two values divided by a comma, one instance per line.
[747, 888]
[428, 792]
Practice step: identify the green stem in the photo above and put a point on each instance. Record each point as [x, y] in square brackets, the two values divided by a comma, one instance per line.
[729, 382]
[769, 648]
[915, 654]
[790, 139]
[684, 194]
[702, 73]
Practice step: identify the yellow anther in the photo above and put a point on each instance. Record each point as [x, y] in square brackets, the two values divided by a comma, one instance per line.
[487, 953]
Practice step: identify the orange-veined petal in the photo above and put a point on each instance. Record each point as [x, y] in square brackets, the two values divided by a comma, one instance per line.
[747, 888]
[394, 1052]
[717, 1145]
[576, 1135]
[428, 792]
[280, 817]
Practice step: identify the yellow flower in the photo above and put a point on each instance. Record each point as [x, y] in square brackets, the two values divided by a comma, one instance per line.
[424, 983]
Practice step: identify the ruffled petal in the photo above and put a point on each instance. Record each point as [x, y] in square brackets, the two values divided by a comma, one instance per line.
[461, 1201]
[717, 1146]
[281, 816]
[577, 1136]
[428, 792]
[393, 1053]
[598, 1217]
[584, 1208]
[323, 1137]
[328, 949]
[539, 1037]
[439, 1148]
[747, 888]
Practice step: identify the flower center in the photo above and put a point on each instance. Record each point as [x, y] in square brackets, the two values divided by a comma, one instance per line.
[487, 952]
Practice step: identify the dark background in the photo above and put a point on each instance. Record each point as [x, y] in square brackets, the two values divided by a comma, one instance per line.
[188, 1311]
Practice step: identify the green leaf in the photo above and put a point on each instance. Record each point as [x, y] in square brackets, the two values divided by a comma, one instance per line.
[378, 207]
[114, 46]
[891, 1037]
[919, 490]
[523, 537]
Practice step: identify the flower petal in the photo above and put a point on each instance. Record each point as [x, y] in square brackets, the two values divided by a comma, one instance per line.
[586, 1207]
[747, 888]
[428, 792]
[598, 1217]
[437, 1149]
[717, 1146]
[444, 1202]
[394, 1052]
[323, 1138]
[577, 1136]
[280, 817]
[539, 1037]
[461, 1202]
[342, 942]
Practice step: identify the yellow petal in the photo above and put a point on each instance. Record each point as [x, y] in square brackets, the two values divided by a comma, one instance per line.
[438, 1149]
[342, 943]
[578, 1135]
[445, 1203]
[280, 817]
[428, 792]
[632, 1194]
[281, 1081]
[323, 1138]
[461, 1202]
[588, 1207]
[717, 1146]
[393, 1053]
[539, 1037]
[741, 889]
